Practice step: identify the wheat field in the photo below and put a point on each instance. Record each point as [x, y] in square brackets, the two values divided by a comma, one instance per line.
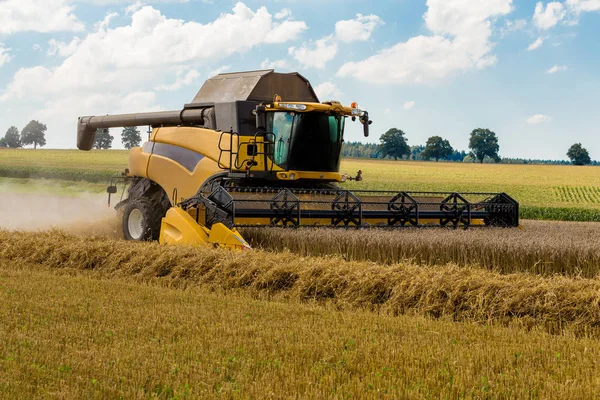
[538, 247]
[69, 336]
[550, 192]
[94, 317]
[313, 313]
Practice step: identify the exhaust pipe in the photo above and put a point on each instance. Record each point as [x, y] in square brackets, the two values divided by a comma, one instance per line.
[86, 126]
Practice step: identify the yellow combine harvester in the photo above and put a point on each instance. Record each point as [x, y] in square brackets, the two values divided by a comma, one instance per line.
[259, 149]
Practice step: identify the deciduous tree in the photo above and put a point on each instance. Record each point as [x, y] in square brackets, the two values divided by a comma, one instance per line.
[437, 148]
[393, 144]
[103, 139]
[131, 137]
[34, 133]
[11, 138]
[579, 155]
[484, 143]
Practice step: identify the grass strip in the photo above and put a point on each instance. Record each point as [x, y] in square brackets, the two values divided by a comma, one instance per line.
[69, 174]
[560, 214]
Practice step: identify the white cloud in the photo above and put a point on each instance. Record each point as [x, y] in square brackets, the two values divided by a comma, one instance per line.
[118, 58]
[550, 16]
[409, 105]
[538, 119]
[579, 6]
[63, 49]
[316, 54]
[4, 54]
[36, 47]
[461, 41]
[105, 23]
[276, 64]
[359, 28]
[286, 12]
[285, 31]
[537, 44]
[557, 68]
[183, 79]
[38, 16]
[516, 25]
[327, 91]
[220, 70]
[116, 61]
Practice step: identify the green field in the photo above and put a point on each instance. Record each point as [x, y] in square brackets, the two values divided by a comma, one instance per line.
[559, 192]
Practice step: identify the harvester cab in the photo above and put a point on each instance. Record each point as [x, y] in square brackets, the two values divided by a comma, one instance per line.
[258, 149]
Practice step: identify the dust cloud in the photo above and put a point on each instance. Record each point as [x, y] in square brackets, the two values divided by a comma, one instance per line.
[87, 214]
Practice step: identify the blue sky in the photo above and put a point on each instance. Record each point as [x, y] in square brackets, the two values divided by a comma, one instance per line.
[527, 70]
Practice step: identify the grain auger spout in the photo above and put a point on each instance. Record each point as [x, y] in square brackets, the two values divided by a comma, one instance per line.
[259, 149]
[86, 126]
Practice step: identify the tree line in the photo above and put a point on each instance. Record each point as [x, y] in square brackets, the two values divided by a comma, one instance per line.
[483, 146]
[35, 134]
[130, 137]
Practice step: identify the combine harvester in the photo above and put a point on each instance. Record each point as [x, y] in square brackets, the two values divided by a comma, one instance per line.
[259, 149]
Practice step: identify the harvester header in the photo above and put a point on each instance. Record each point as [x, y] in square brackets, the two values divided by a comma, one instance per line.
[258, 148]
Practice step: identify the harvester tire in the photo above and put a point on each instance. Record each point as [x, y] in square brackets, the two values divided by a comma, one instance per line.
[141, 220]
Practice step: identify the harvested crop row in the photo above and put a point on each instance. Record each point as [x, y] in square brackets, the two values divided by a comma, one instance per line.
[544, 248]
[446, 291]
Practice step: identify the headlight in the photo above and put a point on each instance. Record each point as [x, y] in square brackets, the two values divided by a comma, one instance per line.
[299, 107]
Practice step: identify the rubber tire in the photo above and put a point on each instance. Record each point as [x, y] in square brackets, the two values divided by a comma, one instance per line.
[152, 215]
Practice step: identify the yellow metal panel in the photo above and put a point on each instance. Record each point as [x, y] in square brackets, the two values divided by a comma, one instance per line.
[327, 176]
[138, 162]
[178, 227]
[221, 236]
[200, 140]
[172, 177]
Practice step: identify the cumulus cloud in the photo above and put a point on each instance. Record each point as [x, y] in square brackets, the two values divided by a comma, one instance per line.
[38, 16]
[409, 105]
[315, 54]
[115, 58]
[516, 25]
[286, 12]
[579, 6]
[538, 119]
[118, 61]
[327, 91]
[220, 70]
[359, 28]
[4, 54]
[276, 64]
[557, 68]
[285, 31]
[183, 79]
[536, 44]
[548, 17]
[61, 48]
[460, 41]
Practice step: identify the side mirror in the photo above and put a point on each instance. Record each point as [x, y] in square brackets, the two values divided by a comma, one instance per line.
[111, 189]
[364, 119]
[261, 118]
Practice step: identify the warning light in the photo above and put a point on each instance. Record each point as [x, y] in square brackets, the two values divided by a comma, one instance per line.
[354, 105]
[277, 98]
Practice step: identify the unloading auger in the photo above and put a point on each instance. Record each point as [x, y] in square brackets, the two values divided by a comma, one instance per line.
[258, 149]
